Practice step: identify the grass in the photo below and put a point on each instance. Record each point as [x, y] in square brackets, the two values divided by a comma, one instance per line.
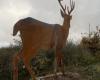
[76, 59]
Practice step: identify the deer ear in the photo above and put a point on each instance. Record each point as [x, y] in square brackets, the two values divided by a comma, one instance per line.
[62, 13]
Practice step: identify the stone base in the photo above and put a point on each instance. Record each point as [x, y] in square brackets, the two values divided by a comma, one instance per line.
[60, 76]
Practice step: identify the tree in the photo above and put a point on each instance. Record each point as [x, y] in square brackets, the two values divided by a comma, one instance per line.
[92, 41]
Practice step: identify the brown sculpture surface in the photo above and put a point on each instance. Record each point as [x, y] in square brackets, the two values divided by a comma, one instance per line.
[37, 35]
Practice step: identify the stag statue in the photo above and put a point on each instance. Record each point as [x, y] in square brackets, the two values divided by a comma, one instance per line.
[37, 35]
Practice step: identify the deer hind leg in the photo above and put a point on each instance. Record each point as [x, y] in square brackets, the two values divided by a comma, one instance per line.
[29, 68]
[15, 66]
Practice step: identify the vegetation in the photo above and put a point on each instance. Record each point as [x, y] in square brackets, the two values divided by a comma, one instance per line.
[78, 58]
[92, 41]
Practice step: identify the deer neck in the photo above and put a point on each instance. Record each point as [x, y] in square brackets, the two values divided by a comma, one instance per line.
[66, 26]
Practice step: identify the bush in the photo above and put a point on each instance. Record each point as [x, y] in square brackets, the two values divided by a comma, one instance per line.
[76, 55]
[92, 41]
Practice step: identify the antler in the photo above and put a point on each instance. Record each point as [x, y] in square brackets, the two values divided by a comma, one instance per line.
[72, 5]
[64, 9]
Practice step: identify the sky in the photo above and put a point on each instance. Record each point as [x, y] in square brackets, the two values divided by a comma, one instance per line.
[86, 12]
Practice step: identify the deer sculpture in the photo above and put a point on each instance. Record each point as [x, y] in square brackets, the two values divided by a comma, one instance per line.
[37, 35]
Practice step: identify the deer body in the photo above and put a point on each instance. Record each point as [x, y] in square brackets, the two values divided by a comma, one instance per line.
[37, 35]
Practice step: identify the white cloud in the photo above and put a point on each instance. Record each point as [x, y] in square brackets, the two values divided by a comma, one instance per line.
[86, 11]
[10, 12]
[4, 44]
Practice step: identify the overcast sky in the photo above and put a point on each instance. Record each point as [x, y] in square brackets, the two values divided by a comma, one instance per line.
[86, 12]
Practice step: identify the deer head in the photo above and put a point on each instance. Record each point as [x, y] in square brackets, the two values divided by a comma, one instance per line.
[66, 14]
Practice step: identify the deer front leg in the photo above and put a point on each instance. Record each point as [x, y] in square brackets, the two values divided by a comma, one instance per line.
[60, 64]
